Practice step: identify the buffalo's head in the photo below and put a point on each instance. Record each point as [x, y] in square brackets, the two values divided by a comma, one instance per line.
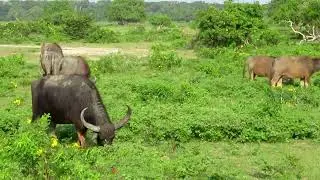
[106, 131]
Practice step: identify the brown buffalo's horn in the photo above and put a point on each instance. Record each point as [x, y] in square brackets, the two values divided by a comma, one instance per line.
[88, 125]
[125, 120]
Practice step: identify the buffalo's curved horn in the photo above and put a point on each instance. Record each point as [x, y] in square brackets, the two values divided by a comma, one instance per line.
[88, 125]
[125, 120]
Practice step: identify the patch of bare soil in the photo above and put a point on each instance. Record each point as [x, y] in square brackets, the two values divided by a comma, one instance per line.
[84, 51]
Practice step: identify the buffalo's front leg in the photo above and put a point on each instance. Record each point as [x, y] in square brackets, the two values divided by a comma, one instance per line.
[81, 138]
[275, 79]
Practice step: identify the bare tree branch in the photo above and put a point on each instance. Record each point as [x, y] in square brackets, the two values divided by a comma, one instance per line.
[311, 37]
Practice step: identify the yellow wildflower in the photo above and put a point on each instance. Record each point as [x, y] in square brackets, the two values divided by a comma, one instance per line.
[28, 121]
[39, 152]
[76, 145]
[54, 141]
[17, 102]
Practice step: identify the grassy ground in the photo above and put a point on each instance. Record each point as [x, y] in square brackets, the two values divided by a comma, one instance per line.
[194, 115]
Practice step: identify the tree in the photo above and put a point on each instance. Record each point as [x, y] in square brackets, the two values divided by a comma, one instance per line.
[124, 11]
[56, 11]
[16, 11]
[303, 17]
[160, 20]
[62, 13]
[34, 13]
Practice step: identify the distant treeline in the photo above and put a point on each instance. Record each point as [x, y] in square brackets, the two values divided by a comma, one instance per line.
[32, 10]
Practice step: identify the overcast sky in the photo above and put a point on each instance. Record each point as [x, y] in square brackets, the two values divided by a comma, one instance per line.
[214, 1]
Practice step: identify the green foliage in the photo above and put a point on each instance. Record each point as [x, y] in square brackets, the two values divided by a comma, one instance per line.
[231, 26]
[55, 12]
[135, 34]
[165, 34]
[124, 11]
[267, 37]
[160, 20]
[304, 14]
[298, 11]
[178, 10]
[163, 59]
[11, 66]
[98, 34]
[28, 150]
[113, 63]
[29, 31]
[76, 26]
[188, 116]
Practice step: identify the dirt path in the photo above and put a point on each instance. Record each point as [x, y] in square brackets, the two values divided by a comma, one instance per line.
[86, 51]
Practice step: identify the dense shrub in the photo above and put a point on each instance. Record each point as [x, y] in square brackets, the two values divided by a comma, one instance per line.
[124, 11]
[30, 31]
[160, 20]
[231, 26]
[267, 37]
[135, 34]
[11, 66]
[98, 34]
[164, 59]
[76, 26]
[114, 63]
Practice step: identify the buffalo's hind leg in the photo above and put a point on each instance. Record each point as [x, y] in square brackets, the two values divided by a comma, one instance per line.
[52, 129]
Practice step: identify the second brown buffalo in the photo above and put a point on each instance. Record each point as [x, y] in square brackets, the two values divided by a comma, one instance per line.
[53, 62]
[301, 67]
[76, 65]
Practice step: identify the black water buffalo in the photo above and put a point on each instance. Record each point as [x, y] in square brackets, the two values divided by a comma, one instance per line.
[73, 99]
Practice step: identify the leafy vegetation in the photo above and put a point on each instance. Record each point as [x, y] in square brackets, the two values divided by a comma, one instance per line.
[231, 26]
[124, 11]
[160, 20]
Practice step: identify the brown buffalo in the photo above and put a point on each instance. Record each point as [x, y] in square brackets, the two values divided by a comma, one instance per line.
[259, 66]
[50, 58]
[301, 67]
[53, 62]
[76, 65]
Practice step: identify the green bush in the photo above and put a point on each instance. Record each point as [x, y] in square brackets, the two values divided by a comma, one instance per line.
[28, 150]
[164, 34]
[114, 63]
[30, 31]
[231, 26]
[135, 34]
[267, 37]
[76, 26]
[97, 34]
[167, 59]
[11, 66]
[15, 31]
[160, 20]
